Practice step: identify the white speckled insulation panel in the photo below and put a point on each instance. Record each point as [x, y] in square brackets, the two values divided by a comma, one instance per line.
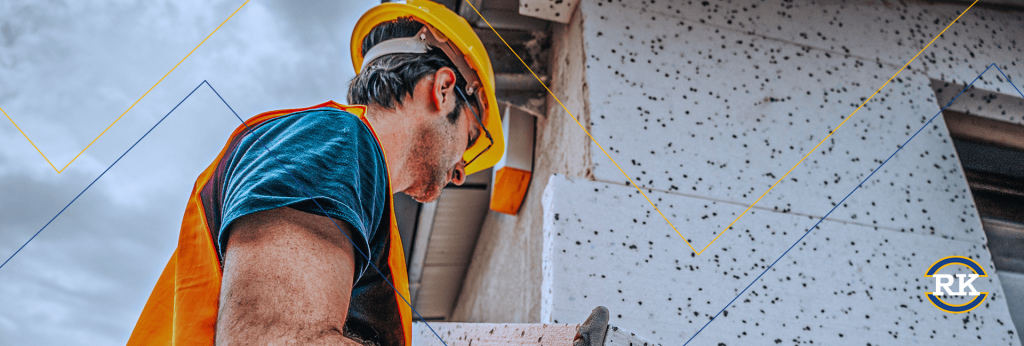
[491, 334]
[844, 284]
[886, 31]
[620, 337]
[983, 103]
[553, 10]
[864, 29]
[981, 37]
[522, 334]
[697, 110]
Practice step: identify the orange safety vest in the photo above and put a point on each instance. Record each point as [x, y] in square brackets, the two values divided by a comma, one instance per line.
[182, 310]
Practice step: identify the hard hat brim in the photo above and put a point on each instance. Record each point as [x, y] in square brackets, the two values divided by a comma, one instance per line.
[461, 35]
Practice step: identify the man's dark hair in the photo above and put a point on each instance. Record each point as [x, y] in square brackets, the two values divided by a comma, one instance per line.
[387, 79]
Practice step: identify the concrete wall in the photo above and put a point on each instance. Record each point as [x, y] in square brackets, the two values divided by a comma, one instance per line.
[503, 280]
[705, 105]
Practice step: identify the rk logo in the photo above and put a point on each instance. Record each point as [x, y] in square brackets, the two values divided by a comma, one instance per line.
[965, 286]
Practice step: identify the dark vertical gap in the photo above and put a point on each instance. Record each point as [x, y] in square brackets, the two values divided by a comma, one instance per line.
[992, 157]
[407, 212]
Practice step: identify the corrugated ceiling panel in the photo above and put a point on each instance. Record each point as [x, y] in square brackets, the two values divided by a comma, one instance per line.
[438, 291]
[460, 212]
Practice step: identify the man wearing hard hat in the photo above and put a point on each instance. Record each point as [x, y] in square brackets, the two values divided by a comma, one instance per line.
[290, 236]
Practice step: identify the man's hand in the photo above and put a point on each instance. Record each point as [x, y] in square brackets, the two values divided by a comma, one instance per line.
[593, 331]
[287, 280]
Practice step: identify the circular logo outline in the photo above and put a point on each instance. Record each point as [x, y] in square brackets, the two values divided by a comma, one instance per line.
[956, 260]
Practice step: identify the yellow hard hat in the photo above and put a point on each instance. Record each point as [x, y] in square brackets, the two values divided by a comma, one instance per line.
[447, 29]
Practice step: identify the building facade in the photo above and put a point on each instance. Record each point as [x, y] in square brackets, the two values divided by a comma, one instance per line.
[704, 106]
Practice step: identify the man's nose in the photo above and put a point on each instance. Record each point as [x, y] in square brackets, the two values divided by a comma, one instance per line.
[459, 175]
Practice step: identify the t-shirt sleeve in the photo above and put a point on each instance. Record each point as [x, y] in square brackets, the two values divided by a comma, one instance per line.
[322, 161]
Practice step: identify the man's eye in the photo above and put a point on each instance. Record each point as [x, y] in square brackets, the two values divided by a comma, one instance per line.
[472, 139]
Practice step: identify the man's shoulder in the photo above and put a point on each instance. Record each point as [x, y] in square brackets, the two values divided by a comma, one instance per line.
[333, 132]
[325, 115]
[356, 110]
[314, 135]
[323, 123]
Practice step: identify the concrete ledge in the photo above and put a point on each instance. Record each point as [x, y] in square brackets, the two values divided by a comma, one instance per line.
[487, 334]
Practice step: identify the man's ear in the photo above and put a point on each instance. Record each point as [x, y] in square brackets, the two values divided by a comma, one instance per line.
[442, 92]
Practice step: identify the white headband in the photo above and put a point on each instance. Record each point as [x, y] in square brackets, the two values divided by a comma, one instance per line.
[421, 43]
[394, 46]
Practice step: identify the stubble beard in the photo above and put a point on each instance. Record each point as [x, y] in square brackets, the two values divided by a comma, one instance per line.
[429, 161]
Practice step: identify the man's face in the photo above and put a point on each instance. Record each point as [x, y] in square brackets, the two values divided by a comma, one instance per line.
[437, 152]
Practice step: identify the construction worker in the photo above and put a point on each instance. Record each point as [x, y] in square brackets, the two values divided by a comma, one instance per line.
[290, 236]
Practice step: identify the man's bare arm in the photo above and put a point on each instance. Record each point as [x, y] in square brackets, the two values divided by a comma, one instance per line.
[287, 280]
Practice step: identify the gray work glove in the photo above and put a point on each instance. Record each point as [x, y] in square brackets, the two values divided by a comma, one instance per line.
[594, 329]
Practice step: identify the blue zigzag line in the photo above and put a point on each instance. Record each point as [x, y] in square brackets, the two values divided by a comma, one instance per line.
[852, 191]
[275, 158]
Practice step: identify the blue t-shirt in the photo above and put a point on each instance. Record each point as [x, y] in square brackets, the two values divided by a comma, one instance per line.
[322, 161]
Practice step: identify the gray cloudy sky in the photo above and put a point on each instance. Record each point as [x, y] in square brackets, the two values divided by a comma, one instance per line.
[67, 70]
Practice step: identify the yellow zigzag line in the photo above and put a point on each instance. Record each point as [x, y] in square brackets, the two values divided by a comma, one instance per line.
[129, 108]
[770, 188]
